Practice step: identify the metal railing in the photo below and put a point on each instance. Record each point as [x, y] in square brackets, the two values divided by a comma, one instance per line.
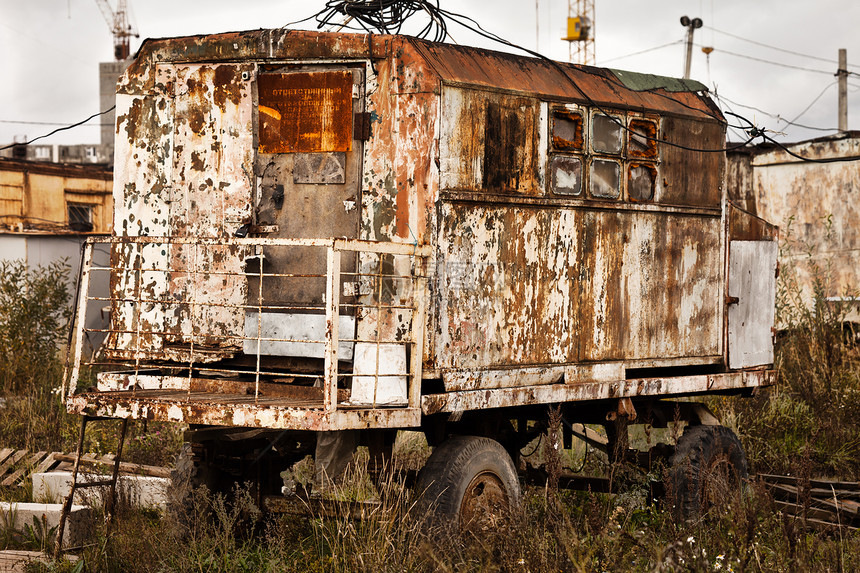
[245, 311]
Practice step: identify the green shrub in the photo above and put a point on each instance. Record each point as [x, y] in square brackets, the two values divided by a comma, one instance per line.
[34, 320]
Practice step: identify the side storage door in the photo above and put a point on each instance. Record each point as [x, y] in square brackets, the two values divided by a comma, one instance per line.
[753, 249]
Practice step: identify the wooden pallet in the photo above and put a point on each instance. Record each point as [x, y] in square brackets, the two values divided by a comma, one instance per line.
[821, 503]
[16, 466]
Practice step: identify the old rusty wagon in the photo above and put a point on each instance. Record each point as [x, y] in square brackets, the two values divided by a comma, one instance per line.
[320, 232]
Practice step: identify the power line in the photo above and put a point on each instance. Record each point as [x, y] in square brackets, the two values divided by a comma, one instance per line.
[654, 49]
[762, 44]
[762, 60]
[779, 117]
[47, 123]
[812, 103]
[59, 129]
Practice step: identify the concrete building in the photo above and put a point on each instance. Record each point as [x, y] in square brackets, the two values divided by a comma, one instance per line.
[47, 210]
[815, 203]
[96, 153]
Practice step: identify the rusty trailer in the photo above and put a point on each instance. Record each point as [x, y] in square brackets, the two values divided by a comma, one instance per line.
[320, 232]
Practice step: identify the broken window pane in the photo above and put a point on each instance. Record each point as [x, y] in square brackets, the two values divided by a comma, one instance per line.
[566, 130]
[640, 182]
[605, 178]
[607, 134]
[566, 175]
[643, 138]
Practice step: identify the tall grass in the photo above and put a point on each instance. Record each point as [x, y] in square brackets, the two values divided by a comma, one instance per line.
[808, 423]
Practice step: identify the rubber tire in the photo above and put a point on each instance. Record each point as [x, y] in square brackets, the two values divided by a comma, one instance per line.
[701, 453]
[452, 467]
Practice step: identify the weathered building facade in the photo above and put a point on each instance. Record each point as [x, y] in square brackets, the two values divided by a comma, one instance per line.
[814, 201]
[47, 211]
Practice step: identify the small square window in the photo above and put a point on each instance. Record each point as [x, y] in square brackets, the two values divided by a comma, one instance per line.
[567, 130]
[566, 175]
[640, 182]
[80, 217]
[643, 138]
[607, 134]
[605, 178]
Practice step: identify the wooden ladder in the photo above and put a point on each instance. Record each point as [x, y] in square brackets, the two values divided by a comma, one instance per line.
[111, 499]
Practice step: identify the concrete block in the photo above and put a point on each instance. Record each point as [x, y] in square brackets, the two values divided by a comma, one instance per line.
[141, 491]
[78, 528]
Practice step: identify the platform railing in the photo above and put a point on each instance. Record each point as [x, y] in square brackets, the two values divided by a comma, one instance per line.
[168, 312]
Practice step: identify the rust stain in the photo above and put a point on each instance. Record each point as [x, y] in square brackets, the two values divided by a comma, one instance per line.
[642, 138]
[567, 130]
[307, 112]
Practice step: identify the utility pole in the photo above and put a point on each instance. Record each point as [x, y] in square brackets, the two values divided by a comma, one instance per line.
[691, 25]
[842, 74]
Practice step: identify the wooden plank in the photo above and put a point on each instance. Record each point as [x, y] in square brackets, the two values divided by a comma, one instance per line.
[11, 461]
[124, 467]
[47, 464]
[812, 512]
[5, 453]
[17, 474]
[814, 483]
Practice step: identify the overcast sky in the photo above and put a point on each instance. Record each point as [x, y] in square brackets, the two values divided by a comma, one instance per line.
[50, 50]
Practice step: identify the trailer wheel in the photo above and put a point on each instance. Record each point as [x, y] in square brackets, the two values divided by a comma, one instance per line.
[707, 470]
[469, 483]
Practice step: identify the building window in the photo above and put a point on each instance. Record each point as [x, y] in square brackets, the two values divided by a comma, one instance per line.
[567, 134]
[80, 217]
[608, 134]
[566, 174]
[605, 179]
[643, 138]
[641, 179]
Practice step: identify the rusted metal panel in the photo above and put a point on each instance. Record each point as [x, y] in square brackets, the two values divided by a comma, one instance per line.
[557, 393]
[555, 80]
[692, 178]
[215, 410]
[542, 286]
[308, 112]
[752, 292]
[489, 142]
[744, 226]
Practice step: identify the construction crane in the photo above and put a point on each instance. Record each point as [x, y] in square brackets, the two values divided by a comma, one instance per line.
[120, 26]
[580, 31]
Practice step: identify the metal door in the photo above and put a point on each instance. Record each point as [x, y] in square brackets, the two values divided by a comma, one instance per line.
[308, 173]
[751, 295]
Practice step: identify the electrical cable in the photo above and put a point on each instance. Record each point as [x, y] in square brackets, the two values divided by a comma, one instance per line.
[481, 31]
[387, 16]
[59, 129]
[640, 52]
[809, 159]
[780, 118]
[771, 62]
[53, 123]
[812, 103]
[762, 44]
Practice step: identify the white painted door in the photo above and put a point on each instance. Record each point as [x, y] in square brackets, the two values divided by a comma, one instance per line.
[752, 293]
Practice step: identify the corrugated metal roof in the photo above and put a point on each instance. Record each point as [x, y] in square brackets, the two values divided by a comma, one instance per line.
[459, 65]
[500, 70]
